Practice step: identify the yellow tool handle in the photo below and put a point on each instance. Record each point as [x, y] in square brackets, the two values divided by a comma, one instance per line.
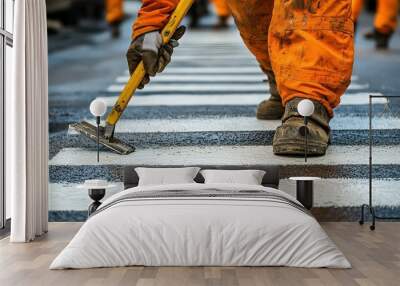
[137, 76]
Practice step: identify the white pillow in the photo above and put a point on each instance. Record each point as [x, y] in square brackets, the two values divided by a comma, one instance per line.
[248, 177]
[166, 176]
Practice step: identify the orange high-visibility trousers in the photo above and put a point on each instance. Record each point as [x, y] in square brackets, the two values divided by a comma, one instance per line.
[356, 7]
[307, 44]
[221, 8]
[385, 16]
[114, 11]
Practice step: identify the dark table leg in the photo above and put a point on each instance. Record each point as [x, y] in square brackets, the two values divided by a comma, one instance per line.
[96, 195]
[305, 193]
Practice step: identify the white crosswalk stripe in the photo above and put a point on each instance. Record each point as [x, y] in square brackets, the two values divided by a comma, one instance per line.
[195, 87]
[211, 87]
[226, 155]
[219, 71]
[237, 99]
[344, 192]
[225, 57]
[202, 78]
[237, 124]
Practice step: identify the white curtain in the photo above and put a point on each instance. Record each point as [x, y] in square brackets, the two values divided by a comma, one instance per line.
[27, 123]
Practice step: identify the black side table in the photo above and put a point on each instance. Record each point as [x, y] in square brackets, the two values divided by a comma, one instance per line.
[96, 191]
[305, 190]
[96, 195]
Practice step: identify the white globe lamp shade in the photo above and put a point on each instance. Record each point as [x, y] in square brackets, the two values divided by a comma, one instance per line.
[305, 107]
[98, 107]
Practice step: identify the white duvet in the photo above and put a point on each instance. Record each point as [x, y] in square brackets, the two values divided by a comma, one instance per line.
[200, 231]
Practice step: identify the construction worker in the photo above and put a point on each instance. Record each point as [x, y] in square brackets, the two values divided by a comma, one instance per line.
[198, 10]
[114, 16]
[305, 48]
[223, 13]
[385, 20]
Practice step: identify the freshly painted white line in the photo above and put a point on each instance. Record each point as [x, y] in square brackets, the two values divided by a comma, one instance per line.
[236, 99]
[201, 78]
[237, 124]
[349, 192]
[225, 155]
[211, 87]
[327, 193]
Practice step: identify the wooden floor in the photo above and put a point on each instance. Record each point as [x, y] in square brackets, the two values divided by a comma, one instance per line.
[375, 257]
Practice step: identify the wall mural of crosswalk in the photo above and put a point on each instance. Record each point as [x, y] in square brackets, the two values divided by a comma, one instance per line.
[201, 110]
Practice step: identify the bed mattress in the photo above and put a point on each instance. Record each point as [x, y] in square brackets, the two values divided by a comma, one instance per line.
[201, 225]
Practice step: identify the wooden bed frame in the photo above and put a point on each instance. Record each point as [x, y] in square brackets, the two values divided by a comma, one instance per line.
[271, 178]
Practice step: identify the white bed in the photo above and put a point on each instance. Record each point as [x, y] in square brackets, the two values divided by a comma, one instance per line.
[265, 229]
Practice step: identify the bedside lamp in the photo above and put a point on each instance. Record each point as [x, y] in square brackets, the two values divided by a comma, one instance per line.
[305, 109]
[98, 108]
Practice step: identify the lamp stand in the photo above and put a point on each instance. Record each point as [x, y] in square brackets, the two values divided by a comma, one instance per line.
[98, 137]
[306, 139]
[369, 207]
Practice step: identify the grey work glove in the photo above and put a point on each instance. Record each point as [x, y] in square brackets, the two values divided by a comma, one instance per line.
[155, 55]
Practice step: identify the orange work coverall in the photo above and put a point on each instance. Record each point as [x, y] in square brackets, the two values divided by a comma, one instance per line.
[308, 44]
[114, 11]
[221, 8]
[385, 16]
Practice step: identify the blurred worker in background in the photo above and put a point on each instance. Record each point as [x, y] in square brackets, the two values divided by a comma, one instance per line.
[304, 47]
[198, 10]
[114, 16]
[385, 20]
[223, 13]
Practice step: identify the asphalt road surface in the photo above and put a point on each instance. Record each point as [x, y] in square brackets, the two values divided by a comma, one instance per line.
[201, 110]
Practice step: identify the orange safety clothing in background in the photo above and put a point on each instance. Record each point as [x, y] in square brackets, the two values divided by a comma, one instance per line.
[385, 15]
[221, 8]
[307, 44]
[356, 8]
[114, 11]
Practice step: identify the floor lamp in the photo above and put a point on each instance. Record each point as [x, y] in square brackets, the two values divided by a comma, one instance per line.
[370, 206]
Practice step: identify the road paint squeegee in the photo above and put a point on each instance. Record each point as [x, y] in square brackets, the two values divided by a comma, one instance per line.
[106, 134]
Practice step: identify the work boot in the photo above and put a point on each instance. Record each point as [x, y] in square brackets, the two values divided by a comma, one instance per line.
[115, 30]
[370, 35]
[272, 107]
[289, 138]
[381, 39]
